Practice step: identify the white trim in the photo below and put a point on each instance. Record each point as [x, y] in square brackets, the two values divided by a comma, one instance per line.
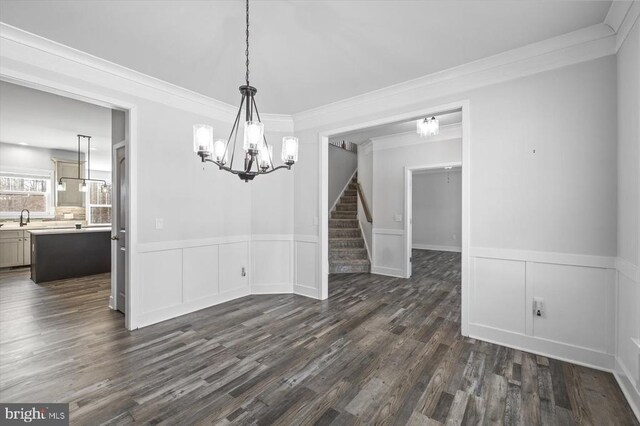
[133, 82]
[149, 318]
[621, 17]
[181, 244]
[419, 246]
[630, 392]
[344, 189]
[283, 288]
[306, 238]
[306, 291]
[366, 245]
[387, 231]
[578, 46]
[545, 257]
[390, 272]
[549, 348]
[400, 140]
[627, 269]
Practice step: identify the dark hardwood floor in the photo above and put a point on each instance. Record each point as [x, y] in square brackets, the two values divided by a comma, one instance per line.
[380, 350]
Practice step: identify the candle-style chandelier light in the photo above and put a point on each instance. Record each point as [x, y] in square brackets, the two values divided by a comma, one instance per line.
[258, 158]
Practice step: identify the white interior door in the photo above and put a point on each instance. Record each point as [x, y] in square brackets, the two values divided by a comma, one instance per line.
[408, 227]
[118, 223]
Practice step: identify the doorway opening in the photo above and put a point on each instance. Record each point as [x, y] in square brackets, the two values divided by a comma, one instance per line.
[85, 189]
[433, 210]
[390, 247]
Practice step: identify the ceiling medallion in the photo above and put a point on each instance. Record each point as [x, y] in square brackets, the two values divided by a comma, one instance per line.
[258, 154]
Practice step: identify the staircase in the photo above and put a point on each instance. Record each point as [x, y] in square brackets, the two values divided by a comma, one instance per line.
[347, 253]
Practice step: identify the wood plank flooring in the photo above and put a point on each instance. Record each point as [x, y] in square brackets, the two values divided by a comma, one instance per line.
[380, 350]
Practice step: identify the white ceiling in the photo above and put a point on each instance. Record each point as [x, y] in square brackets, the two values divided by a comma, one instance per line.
[304, 54]
[45, 120]
[361, 136]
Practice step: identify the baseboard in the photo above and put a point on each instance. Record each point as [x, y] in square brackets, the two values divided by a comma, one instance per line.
[436, 248]
[303, 290]
[574, 354]
[271, 288]
[171, 312]
[630, 392]
[390, 272]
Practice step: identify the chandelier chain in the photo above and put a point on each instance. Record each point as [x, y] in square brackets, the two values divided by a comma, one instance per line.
[246, 52]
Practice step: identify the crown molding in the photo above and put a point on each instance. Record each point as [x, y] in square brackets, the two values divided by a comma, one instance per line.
[578, 46]
[621, 18]
[17, 45]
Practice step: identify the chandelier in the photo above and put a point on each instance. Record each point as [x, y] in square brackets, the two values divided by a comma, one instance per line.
[428, 126]
[82, 184]
[258, 154]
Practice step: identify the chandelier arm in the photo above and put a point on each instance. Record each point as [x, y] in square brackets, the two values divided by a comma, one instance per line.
[266, 144]
[236, 125]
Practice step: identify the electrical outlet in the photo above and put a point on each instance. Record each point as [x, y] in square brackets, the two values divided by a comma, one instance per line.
[244, 272]
[315, 220]
[397, 217]
[454, 237]
[68, 215]
[537, 307]
[159, 223]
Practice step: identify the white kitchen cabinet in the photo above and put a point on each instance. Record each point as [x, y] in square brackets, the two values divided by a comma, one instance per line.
[11, 252]
[15, 248]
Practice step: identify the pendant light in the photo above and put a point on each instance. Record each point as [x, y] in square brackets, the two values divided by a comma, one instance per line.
[428, 127]
[258, 154]
[82, 182]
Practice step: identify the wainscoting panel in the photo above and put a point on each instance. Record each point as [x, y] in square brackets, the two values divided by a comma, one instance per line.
[499, 293]
[200, 271]
[306, 273]
[234, 258]
[387, 252]
[161, 280]
[271, 262]
[577, 305]
[628, 333]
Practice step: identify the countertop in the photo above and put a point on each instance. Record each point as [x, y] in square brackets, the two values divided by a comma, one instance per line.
[69, 230]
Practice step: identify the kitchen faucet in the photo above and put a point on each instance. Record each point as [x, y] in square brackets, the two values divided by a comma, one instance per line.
[22, 223]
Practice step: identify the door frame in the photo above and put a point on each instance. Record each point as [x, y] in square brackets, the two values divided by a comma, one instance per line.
[115, 209]
[408, 207]
[323, 202]
[131, 136]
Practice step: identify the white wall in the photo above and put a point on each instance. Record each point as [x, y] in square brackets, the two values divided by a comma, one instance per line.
[628, 282]
[365, 177]
[437, 210]
[29, 157]
[342, 165]
[543, 190]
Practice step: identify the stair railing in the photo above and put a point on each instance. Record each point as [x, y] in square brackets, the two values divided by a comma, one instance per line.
[365, 206]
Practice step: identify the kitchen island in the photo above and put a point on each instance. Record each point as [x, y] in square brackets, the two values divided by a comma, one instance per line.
[69, 253]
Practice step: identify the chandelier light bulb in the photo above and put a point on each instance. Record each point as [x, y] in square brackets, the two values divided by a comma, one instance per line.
[289, 149]
[83, 186]
[265, 156]
[428, 126]
[253, 136]
[62, 186]
[202, 138]
[219, 151]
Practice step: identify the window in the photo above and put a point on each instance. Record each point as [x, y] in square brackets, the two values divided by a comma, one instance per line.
[26, 190]
[99, 210]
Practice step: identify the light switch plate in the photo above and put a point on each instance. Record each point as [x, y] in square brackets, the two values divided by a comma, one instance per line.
[159, 223]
